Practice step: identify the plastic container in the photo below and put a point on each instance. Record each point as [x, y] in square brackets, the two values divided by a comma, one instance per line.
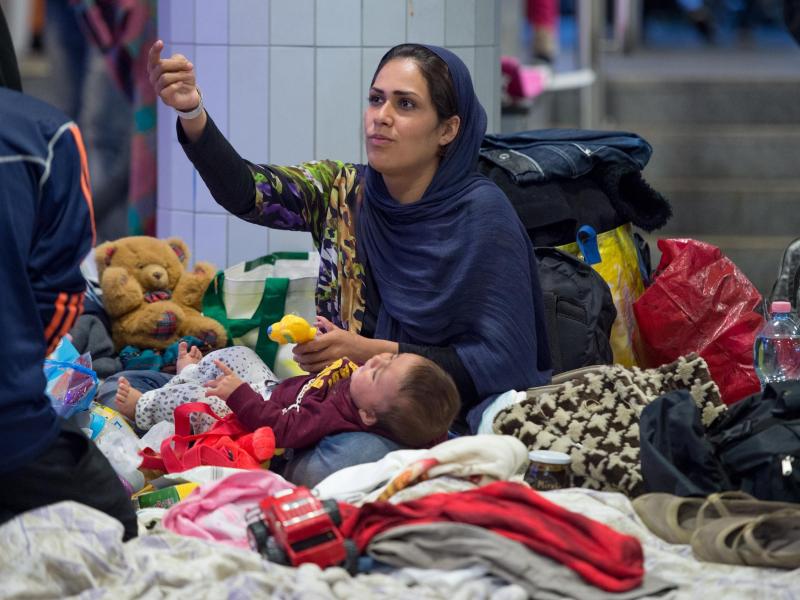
[776, 350]
[164, 498]
[549, 470]
[118, 442]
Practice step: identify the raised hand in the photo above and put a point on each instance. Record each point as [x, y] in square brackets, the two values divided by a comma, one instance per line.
[172, 78]
[224, 385]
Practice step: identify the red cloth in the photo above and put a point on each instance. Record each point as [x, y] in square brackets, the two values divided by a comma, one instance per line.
[600, 555]
[226, 444]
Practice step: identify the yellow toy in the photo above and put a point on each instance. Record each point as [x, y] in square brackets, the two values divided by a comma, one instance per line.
[291, 329]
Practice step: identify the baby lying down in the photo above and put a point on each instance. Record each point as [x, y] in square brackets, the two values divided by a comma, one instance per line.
[404, 397]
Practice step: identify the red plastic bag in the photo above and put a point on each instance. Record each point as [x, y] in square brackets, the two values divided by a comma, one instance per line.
[226, 444]
[701, 302]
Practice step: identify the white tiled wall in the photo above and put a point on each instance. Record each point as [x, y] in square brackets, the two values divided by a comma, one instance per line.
[181, 21]
[291, 104]
[248, 89]
[338, 23]
[248, 22]
[383, 22]
[245, 240]
[338, 114]
[460, 22]
[211, 22]
[286, 81]
[292, 22]
[425, 22]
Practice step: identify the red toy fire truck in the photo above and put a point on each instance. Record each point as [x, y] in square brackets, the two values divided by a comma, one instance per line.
[293, 527]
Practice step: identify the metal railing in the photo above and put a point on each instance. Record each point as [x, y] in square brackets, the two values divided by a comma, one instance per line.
[590, 27]
[592, 41]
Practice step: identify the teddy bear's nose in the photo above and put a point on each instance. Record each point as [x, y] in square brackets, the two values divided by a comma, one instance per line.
[157, 275]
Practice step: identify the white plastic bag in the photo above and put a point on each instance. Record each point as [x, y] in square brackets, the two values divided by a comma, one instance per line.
[118, 442]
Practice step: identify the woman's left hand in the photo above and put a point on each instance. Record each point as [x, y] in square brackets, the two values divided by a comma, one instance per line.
[332, 343]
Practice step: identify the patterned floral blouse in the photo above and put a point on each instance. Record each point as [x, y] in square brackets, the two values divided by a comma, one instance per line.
[320, 197]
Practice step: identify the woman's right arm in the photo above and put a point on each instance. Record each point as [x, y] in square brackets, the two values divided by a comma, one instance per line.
[174, 81]
[223, 170]
[293, 198]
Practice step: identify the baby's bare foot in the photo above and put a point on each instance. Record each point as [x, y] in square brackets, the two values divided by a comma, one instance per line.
[126, 399]
[192, 357]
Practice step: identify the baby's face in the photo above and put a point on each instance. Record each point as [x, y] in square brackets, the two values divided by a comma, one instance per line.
[377, 384]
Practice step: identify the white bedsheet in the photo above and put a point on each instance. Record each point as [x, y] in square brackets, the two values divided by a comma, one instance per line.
[69, 550]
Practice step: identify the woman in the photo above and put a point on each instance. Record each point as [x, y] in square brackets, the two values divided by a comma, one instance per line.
[418, 252]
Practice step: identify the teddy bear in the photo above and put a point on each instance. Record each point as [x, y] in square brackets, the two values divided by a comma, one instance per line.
[150, 297]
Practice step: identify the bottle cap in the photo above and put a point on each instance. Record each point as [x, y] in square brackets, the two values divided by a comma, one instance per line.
[549, 457]
[781, 306]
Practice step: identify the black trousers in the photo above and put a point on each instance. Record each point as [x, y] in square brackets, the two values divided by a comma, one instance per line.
[73, 468]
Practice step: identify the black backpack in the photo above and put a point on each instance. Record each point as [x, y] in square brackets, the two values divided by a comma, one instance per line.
[754, 446]
[579, 311]
[757, 442]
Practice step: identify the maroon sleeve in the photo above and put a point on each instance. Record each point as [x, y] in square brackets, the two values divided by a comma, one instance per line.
[251, 409]
[295, 424]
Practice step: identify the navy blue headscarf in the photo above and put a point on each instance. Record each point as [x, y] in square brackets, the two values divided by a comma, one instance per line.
[456, 268]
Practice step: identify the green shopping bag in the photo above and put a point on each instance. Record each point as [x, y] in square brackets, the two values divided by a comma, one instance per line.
[248, 297]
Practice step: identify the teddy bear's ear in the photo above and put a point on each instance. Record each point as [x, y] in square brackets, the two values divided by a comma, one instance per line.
[180, 248]
[103, 254]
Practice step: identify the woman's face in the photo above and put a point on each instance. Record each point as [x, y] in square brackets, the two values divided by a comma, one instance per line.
[402, 129]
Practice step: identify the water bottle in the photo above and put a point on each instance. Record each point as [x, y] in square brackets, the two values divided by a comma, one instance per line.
[776, 352]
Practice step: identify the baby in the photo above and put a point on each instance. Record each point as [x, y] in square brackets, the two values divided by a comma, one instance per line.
[404, 397]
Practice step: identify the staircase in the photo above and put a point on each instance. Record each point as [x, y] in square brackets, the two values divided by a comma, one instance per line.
[725, 131]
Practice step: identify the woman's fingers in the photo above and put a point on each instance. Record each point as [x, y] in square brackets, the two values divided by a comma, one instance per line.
[172, 78]
[324, 324]
[316, 361]
[310, 367]
[173, 64]
[167, 79]
[154, 54]
[176, 90]
[161, 73]
[180, 96]
[335, 343]
[309, 347]
[318, 344]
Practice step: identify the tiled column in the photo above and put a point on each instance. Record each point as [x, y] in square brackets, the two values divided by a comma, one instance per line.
[286, 81]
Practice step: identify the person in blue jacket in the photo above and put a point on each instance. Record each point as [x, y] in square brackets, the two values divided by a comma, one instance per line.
[46, 229]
